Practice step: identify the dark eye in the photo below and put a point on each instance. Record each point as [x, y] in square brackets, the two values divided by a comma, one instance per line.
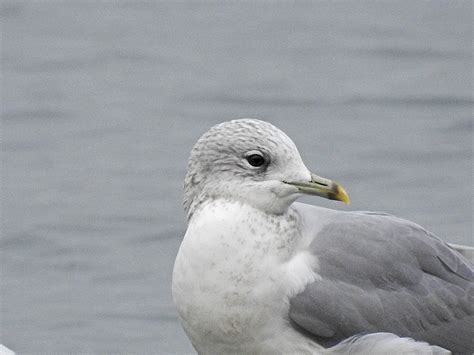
[256, 160]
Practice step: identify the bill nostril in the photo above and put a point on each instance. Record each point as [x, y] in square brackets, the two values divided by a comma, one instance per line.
[319, 183]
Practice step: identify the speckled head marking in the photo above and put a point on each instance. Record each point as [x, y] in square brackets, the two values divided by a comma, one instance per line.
[243, 159]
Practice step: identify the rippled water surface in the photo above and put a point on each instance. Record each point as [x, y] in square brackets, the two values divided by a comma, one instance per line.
[102, 102]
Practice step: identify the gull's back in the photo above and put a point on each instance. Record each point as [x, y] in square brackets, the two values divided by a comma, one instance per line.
[389, 275]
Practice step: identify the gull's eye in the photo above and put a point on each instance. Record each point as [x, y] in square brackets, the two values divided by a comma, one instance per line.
[255, 159]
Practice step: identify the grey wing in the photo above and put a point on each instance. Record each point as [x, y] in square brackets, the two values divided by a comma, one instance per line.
[380, 273]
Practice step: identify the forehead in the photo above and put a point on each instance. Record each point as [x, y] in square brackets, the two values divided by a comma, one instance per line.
[249, 134]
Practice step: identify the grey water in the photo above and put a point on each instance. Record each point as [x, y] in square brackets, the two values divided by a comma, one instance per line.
[103, 100]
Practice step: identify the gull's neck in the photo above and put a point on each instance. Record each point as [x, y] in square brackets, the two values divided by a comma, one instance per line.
[276, 233]
[271, 198]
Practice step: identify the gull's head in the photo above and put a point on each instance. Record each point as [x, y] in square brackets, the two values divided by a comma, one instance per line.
[254, 162]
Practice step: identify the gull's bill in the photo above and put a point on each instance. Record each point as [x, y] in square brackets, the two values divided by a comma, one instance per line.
[322, 187]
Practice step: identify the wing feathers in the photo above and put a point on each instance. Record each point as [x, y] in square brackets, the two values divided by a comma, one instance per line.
[384, 274]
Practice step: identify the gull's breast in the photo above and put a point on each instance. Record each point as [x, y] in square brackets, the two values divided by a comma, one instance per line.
[234, 272]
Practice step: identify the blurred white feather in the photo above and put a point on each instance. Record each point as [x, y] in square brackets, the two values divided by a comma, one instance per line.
[385, 343]
[466, 251]
[5, 351]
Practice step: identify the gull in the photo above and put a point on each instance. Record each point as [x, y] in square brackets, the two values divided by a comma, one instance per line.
[259, 273]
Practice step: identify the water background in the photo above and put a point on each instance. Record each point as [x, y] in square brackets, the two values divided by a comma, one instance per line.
[102, 101]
